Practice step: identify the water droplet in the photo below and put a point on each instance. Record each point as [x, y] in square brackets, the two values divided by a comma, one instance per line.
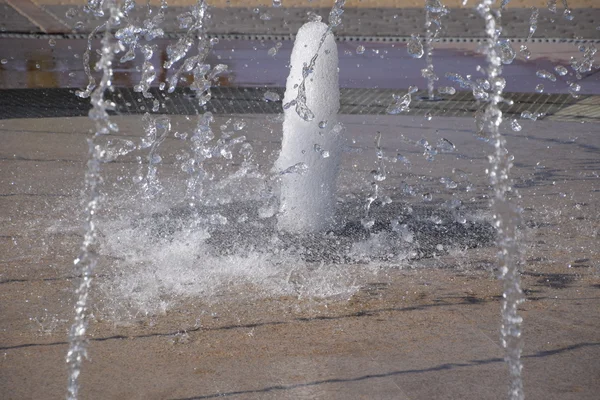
[574, 89]
[3, 61]
[71, 13]
[79, 25]
[567, 14]
[271, 96]
[514, 124]
[276, 3]
[400, 104]
[560, 70]
[52, 42]
[533, 21]
[525, 52]
[542, 73]
[415, 46]
[323, 124]
[265, 16]
[239, 125]
[428, 116]
[446, 90]
[529, 115]
[539, 88]
[360, 49]
[427, 196]
[507, 53]
[445, 146]
[314, 17]
[449, 183]
[321, 151]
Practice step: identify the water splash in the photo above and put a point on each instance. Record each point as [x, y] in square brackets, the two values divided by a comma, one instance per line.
[87, 259]
[84, 94]
[506, 215]
[401, 103]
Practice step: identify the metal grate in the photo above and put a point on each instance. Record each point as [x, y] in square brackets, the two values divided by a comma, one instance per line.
[357, 22]
[60, 102]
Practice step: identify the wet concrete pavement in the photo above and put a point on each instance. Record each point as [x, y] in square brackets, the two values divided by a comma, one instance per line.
[426, 329]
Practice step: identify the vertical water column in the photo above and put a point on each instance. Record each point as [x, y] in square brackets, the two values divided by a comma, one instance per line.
[434, 10]
[312, 142]
[87, 259]
[506, 215]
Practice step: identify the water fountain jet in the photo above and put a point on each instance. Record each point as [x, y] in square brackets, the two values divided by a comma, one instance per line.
[311, 147]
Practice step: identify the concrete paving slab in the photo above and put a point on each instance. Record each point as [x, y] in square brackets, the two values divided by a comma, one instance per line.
[426, 329]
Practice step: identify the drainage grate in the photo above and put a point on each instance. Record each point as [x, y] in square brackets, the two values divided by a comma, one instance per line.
[60, 102]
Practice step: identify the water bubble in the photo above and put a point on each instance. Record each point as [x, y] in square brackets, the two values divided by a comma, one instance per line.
[323, 124]
[539, 88]
[271, 96]
[446, 90]
[415, 46]
[514, 125]
[560, 70]
[360, 49]
[4, 61]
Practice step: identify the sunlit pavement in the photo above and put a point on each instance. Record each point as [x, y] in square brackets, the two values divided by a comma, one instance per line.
[428, 330]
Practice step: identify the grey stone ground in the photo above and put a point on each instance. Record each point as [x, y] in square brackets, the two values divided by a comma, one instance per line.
[426, 331]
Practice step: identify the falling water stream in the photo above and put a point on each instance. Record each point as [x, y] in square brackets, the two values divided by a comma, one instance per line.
[506, 215]
[87, 259]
